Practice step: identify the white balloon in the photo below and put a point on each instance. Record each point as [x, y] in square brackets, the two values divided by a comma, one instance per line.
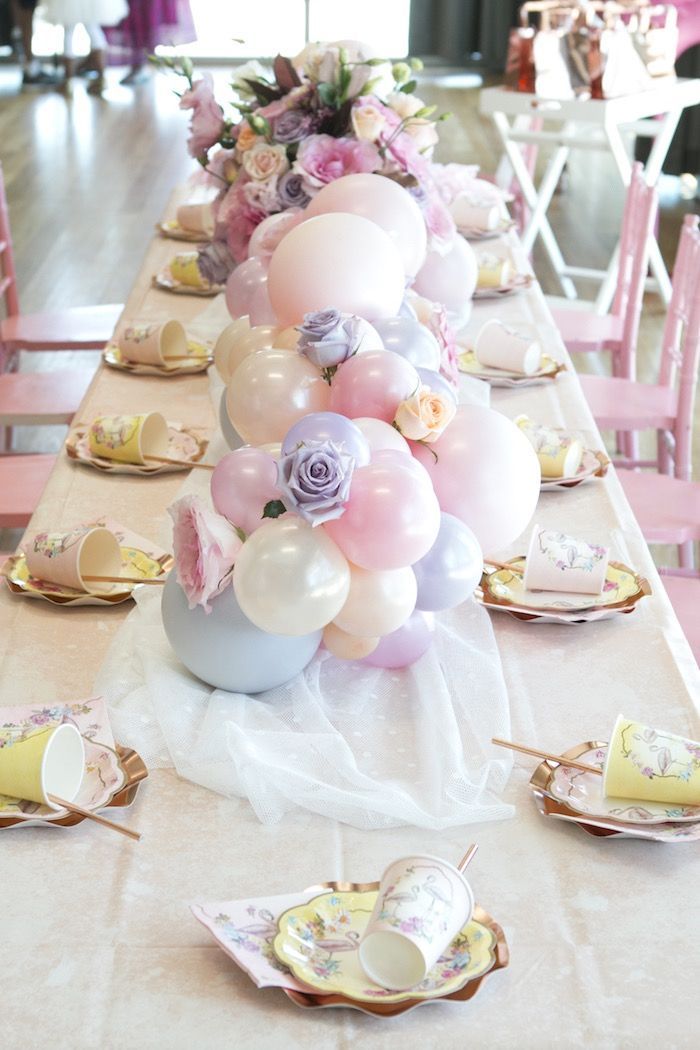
[378, 602]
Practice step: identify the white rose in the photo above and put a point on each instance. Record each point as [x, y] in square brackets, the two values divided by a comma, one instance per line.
[424, 415]
[252, 70]
[263, 161]
[367, 121]
[404, 105]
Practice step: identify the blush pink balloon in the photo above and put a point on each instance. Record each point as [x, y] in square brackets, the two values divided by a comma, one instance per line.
[338, 260]
[373, 384]
[381, 436]
[260, 310]
[382, 201]
[406, 645]
[449, 279]
[392, 517]
[486, 473]
[242, 284]
[268, 234]
[241, 484]
[270, 390]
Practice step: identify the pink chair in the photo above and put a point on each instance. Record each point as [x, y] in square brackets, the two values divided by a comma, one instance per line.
[75, 328]
[667, 406]
[22, 481]
[584, 331]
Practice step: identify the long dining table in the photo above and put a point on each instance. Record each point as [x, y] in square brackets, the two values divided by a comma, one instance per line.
[99, 946]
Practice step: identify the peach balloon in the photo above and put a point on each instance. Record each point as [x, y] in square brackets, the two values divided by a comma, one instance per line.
[486, 473]
[228, 339]
[381, 435]
[262, 337]
[449, 279]
[347, 646]
[336, 260]
[260, 309]
[377, 602]
[287, 338]
[242, 283]
[270, 390]
[373, 384]
[383, 201]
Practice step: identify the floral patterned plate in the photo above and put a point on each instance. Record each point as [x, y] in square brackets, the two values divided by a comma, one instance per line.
[112, 356]
[515, 284]
[183, 443]
[319, 942]
[583, 792]
[140, 557]
[593, 465]
[671, 832]
[171, 228]
[501, 377]
[167, 283]
[112, 773]
[503, 589]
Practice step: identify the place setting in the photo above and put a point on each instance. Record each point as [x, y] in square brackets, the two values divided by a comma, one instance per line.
[498, 276]
[384, 948]
[644, 783]
[562, 579]
[193, 222]
[60, 766]
[565, 461]
[480, 220]
[157, 348]
[143, 444]
[183, 275]
[504, 357]
[99, 563]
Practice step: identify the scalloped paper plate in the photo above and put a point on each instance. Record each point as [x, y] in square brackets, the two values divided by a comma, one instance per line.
[502, 377]
[165, 281]
[515, 284]
[593, 465]
[183, 443]
[319, 943]
[172, 229]
[112, 356]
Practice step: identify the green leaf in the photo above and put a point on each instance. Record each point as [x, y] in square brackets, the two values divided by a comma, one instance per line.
[328, 94]
[409, 87]
[240, 533]
[274, 508]
[187, 67]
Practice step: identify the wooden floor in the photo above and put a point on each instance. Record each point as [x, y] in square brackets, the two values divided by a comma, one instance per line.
[87, 178]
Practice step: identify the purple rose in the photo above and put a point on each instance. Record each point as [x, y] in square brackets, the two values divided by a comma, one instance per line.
[328, 338]
[314, 480]
[291, 192]
[292, 126]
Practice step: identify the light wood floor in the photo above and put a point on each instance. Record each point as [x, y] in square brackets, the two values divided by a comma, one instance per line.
[87, 178]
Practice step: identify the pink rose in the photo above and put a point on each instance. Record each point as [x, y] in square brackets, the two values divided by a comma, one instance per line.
[207, 121]
[205, 546]
[440, 224]
[447, 338]
[453, 179]
[322, 159]
[238, 215]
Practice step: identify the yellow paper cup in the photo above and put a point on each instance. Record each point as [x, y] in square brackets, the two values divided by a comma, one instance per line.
[129, 439]
[63, 558]
[153, 343]
[651, 764]
[494, 272]
[49, 762]
[184, 267]
[559, 454]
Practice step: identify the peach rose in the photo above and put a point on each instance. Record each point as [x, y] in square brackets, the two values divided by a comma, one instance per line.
[263, 161]
[246, 138]
[424, 415]
[368, 121]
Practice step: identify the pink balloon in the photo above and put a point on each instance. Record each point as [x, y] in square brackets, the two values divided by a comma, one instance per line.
[373, 384]
[382, 201]
[449, 279]
[241, 484]
[267, 234]
[260, 310]
[243, 283]
[486, 473]
[406, 645]
[380, 435]
[392, 517]
[270, 390]
[336, 260]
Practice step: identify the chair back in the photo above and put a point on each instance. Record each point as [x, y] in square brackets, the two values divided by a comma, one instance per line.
[639, 216]
[681, 344]
[8, 277]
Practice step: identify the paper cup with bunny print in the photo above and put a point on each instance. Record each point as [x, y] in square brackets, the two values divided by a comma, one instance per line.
[559, 454]
[154, 343]
[64, 558]
[558, 562]
[129, 439]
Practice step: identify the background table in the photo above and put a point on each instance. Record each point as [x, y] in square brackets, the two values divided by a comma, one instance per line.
[100, 949]
[585, 124]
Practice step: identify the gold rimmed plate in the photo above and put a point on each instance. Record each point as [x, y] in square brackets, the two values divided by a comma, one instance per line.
[186, 444]
[202, 357]
[135, 562]
[165, 281]
[593, 465]
[172, 229]
[502, 377]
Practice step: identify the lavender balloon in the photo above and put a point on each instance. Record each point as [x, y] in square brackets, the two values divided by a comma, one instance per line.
[437, 383]
[449, 573]
[411, 340]
[403, 647]
[329, 426]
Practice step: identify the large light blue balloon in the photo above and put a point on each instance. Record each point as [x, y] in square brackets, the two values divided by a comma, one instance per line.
[231, 436]
[225, 649]
[449, 573]
[411, 339]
